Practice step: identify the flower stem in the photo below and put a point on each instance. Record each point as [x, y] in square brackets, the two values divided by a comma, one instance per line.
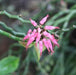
[14, 16]
[10, 35]
[8, 29]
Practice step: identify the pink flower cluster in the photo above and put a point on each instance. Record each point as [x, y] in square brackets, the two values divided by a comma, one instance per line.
[41, 37]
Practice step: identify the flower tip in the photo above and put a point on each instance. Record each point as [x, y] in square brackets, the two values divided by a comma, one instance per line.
[41, 54]
[23, 39]
[51, 53]
[33, 22]
[30, 19]
[58, 45]
[44, 19]
[26, 48]
[57, 28]
[29, 31]
[36, 44]
[47, 15]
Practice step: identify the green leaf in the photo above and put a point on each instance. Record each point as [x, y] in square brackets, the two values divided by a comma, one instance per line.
[8, 65]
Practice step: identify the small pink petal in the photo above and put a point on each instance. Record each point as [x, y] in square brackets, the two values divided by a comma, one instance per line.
[29, 31]
[51, 53]
[40, 47]
[38, 38]
[51, 37]
[31, 39]
[26, 37]
[33, 22]
[50, 45]
[50, 27]
[33, 33]
[45, 33]
[44, 20]
[46, 44]
[54, 41]
[28, 34]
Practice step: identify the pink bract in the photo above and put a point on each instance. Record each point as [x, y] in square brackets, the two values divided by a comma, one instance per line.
[33, 22]
[50, 27]
[44, 20]
[41, 36]
[40, 47]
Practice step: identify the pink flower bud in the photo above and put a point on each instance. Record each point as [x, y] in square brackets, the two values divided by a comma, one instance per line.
[33, 22]
[28, 34]
[31, 39]
[26, 37]
[51, 37]
[41, 47]
[29, 31]
[54, 41]
[50, 45]
[46, 44]
[44, 20]
[50, 27]
[33, 33]
[47, 34]
[38, 38]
